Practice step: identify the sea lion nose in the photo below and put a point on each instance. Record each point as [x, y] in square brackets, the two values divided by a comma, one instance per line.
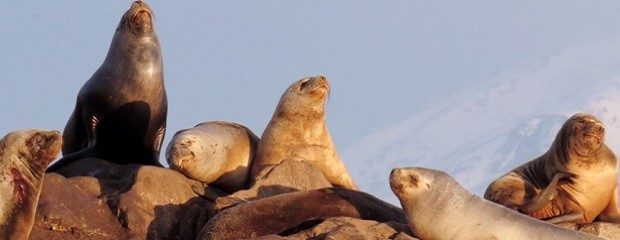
[597, 128]
[394, 171]
[180, 150]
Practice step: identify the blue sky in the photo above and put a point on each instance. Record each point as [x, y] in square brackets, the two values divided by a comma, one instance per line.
[225, 60]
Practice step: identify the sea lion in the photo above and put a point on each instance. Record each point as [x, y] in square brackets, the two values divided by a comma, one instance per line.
[120, 112]
[217, 153]
[437, 207]
[24, 155]
[297, 131]
[275, 215]
[574, 181]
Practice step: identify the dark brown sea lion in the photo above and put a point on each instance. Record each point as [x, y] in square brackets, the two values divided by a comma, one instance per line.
[277, 214]
[297, 131]
[438, 207]
[120, 113]
[574, 181]
[24, 156]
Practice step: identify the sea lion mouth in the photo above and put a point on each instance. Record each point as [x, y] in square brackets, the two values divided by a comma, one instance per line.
[321, 88]
[180, 153]
[139, 17]
[141, 21]
[588, 144]
[320, 84]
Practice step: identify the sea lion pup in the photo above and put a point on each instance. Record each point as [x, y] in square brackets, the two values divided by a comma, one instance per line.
[120, 113]
[277, 214]
[217, 153]
[574, 181]
[438, 207]
[297, 131]
[24, 155]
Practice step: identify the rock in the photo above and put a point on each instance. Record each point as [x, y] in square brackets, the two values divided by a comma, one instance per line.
[68, 209]
[120, 202]
[286, 177]
[157, 202]
[352, 228]
[601, 229]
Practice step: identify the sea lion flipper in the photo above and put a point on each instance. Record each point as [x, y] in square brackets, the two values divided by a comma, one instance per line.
[544, 197]
[68, 159]
[566, 218]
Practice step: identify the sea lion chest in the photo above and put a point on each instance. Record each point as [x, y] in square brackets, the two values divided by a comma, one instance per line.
[593, 187]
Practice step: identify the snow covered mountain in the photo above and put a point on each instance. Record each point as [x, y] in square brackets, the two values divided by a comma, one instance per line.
[482, 132]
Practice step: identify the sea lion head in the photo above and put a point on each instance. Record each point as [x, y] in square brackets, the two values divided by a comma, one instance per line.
[584, 134]
[410, 182]
[305, 97]
[138, 19]
[180, 153]
[44, 146]
[37, 146]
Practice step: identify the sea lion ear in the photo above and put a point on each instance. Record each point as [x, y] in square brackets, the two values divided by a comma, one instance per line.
[302, 84]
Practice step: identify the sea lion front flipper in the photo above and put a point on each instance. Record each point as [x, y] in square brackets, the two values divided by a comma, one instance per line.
[91, 135]
[207, 192]
[566, 218]
[543, 198]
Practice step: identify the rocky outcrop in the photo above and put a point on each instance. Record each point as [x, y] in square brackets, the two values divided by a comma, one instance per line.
[70, 209]
[353, 228]
[288, 176]
[137, 202]
[145, 202]
[601, 229]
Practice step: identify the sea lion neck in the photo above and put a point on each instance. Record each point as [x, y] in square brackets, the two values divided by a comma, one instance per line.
[135, 47]
[134, 55]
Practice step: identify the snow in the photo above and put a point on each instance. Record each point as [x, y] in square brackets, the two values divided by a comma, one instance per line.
[486, 130]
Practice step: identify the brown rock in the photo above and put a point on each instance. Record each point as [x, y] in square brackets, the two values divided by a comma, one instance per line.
[120, 202]
[286, 177]
[158, 201]
[352, 228]
[269, 237]
[601, 229]
[66, 211]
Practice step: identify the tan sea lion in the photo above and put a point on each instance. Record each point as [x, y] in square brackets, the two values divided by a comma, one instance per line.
[24, 156]
[297, 131]
[574, 181]
[277, 214]
[120, 113]
[217, 153]
[438, 207]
